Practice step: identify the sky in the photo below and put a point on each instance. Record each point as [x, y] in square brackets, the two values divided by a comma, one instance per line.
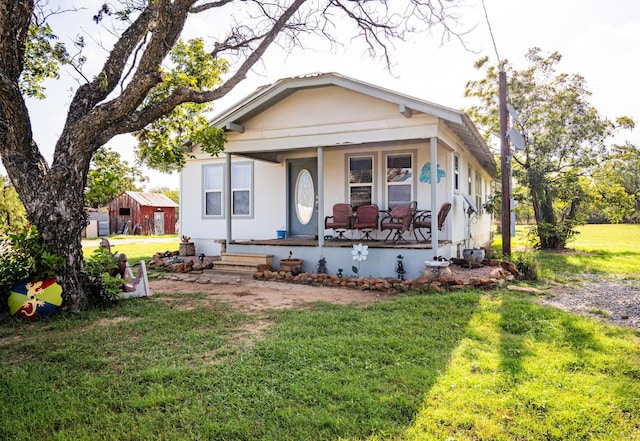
[598, 40]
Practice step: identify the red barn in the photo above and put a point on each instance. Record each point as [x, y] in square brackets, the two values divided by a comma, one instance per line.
[134, 212]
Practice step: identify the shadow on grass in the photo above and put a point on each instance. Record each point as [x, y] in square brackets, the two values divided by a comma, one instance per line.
[341, 371]
[523, 321]
[184, 368]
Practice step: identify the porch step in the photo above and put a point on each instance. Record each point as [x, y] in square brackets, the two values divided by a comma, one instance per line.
[242, 262]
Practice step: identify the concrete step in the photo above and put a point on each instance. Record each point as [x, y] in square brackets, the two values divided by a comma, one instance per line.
[253, 259]
[245, 267]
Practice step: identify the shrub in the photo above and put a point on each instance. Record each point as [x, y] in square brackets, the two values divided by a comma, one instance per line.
[22, 255]
[528, 263]
[97, 280]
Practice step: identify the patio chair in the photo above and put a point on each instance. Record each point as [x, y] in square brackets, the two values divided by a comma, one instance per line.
[341, 220]
[366, 220]
[422, 221]
[397, 222]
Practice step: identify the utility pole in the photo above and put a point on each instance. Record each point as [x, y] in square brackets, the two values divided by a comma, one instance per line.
[505, 162]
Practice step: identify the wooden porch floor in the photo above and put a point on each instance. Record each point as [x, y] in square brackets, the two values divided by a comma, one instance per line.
[334, 243]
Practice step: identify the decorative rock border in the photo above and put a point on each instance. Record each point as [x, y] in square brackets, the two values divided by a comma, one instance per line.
[428, 281]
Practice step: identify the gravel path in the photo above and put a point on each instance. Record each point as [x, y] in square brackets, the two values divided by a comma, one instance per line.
[615, 301]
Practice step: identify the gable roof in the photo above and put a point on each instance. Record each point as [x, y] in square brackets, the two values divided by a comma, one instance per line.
[267, 96]
[151, 199]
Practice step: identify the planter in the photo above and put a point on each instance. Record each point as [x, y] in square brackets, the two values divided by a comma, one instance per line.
[281, 234]
[293, 266]
[473, 255]
[187, 249]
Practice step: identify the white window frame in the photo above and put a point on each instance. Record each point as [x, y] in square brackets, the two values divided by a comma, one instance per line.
[478, 188]
[409, 181]
[371, 184]
[206, 190]
[456, 173]
[235, 187]
[248, 186]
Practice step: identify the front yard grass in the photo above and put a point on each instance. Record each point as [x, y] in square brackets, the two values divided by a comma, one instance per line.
[463, 365]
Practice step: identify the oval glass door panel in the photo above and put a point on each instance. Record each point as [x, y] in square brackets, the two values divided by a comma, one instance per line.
[305, 196]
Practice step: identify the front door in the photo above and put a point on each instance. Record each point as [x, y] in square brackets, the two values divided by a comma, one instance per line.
[158, 223]
[303, 197]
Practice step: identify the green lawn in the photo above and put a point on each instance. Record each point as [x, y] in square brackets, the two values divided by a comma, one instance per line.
[135, 247]
[612, 251]
[462, 366]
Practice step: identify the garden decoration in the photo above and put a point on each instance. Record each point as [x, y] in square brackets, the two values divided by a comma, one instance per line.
[359, 253]
[322, 266]
[400, 267]
[425, 174]
[35, 299]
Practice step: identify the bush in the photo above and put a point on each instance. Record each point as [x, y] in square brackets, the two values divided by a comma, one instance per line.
[22, 255]
[528, 264]
[97, 280]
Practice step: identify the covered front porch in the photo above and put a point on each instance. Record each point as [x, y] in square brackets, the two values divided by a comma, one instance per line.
[381, 259]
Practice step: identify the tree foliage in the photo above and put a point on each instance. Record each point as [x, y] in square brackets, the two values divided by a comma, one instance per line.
[565, 138]
[108, 177]
[130, 91]
[615, 187]
[12, 212]
[162, 143]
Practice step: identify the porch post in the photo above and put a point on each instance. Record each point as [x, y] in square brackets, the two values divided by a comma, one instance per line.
[434, 195]
[228, 196]
[320, 201]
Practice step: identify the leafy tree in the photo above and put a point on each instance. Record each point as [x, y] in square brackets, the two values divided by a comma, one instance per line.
[12, 212]
[133, 93]
[625, 172]
[565, 138]
[108, 177]
[172, 194]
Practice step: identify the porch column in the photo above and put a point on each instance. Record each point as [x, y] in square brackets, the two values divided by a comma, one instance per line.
[320, 198]
[228, 196]
[434, 195]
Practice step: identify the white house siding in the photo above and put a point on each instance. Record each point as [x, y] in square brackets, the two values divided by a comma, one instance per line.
[269, 211]
[342, 122]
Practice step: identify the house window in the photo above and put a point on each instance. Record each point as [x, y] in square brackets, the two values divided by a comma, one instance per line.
[469, 181]
[456, 173]
[241, 184]
[399, 180]
[213, 184]
[360, 180]
[241, 189]
[478, 190]
[125, 212]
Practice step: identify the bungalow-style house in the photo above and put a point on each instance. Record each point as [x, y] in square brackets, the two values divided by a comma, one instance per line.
[135, 212]
[301, 145]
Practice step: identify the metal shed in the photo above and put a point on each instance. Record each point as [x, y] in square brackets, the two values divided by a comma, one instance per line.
[142, 213]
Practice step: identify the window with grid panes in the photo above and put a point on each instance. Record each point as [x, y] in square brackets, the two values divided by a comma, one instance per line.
[399, 179]
[360, 180]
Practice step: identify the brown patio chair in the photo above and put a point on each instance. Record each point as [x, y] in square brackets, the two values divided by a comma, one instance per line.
[397, 222]
[422, 221]
[366, 220]
[341, 220]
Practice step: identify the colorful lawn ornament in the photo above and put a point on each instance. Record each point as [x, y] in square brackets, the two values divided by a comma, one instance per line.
[35, 299]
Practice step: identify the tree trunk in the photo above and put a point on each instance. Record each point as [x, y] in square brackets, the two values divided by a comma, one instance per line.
[60, 221]
[545, 216]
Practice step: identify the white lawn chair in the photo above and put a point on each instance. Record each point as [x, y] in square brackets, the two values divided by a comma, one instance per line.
[137, 286]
